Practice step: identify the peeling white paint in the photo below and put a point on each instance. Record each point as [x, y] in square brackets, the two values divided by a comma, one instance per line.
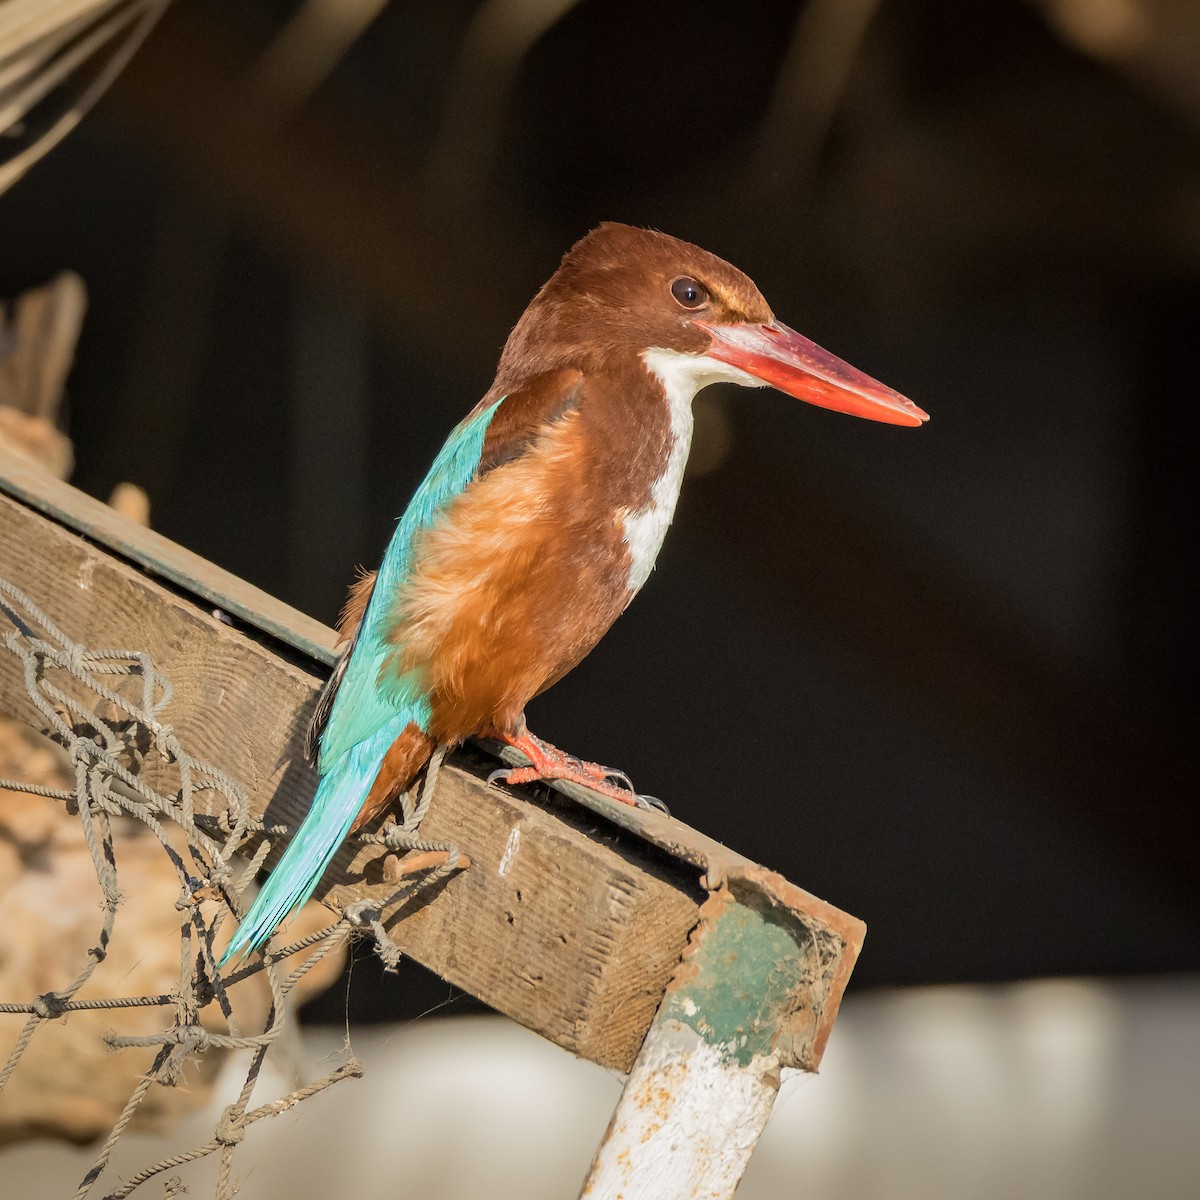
[510, 851]
[688, 1121]
[86, 569]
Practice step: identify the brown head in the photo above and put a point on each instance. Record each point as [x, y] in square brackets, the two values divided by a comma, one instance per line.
[620, 292]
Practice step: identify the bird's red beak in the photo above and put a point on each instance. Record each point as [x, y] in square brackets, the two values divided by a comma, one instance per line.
[790, 362]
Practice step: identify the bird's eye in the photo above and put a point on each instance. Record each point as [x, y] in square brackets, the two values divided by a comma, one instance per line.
[688, 292]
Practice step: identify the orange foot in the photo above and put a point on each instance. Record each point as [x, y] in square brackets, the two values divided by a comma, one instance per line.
[548, 762]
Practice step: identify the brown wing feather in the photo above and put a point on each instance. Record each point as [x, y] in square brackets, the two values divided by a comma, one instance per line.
[524, 415]
[404, 759]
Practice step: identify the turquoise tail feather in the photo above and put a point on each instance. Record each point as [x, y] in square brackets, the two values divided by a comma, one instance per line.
[337, 801]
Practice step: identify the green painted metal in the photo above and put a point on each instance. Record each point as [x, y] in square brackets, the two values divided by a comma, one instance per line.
[740, 981]
[707, 1076]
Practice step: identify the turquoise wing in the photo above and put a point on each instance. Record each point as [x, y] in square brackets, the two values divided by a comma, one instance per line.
[362, 706]
[366, 718]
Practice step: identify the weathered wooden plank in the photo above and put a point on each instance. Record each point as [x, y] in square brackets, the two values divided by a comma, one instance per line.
[570, 924]
[574, 937]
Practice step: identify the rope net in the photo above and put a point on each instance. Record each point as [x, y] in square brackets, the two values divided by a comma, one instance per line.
[105, 708]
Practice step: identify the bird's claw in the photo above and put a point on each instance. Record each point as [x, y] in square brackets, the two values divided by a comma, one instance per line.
[651, 804]
[619, 777]
[602, 773]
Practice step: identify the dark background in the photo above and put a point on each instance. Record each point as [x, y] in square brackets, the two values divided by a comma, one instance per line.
[945, 678]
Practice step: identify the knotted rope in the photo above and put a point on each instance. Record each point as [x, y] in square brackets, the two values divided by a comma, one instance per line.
[69, 686]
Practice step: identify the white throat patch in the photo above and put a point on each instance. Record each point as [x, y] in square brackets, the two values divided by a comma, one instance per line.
[681, 376]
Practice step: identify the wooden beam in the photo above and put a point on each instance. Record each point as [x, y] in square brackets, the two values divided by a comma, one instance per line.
[570, 921]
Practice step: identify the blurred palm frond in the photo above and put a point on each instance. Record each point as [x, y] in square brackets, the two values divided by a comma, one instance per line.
[57, 57]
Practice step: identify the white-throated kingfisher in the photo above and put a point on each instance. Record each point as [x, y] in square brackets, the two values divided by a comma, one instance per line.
[538, 523]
